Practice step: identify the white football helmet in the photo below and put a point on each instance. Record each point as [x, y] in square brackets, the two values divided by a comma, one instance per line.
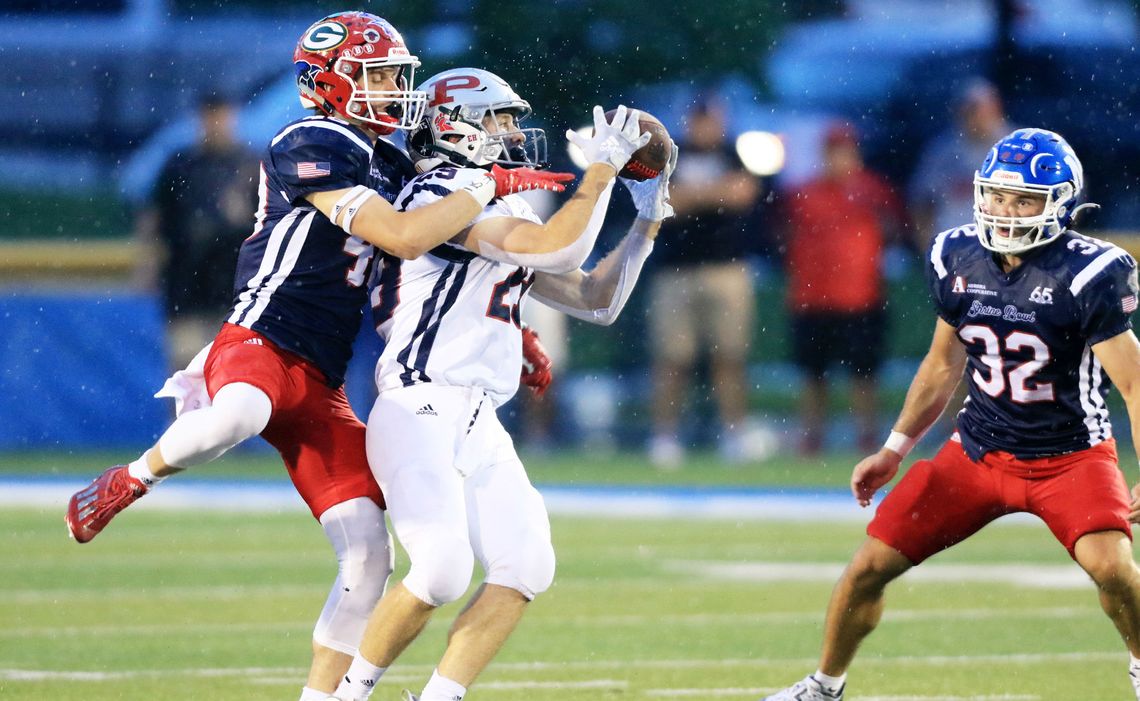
[454, 128]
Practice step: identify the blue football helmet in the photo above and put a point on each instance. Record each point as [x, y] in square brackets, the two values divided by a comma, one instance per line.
[1033, 161]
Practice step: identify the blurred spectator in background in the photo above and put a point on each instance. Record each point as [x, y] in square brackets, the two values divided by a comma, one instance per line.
[942, 187]
[702, 296]
[201, 210]
[838, 226]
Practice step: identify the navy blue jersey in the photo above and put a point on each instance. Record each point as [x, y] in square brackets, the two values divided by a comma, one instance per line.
[1036, 388]
[302, 280]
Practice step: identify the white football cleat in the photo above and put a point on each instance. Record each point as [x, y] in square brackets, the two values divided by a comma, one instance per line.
[408, 696]
[807, 689]
[1134, 675]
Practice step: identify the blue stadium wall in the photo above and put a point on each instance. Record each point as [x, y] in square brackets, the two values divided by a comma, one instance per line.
[79, 371]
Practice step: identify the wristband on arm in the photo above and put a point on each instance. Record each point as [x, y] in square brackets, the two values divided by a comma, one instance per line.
[900, 443]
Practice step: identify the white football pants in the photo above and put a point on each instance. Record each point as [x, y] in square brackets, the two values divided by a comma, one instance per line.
[456, 492]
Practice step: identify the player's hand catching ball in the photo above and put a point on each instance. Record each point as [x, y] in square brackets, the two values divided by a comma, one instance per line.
[873, 472]
[612, 142]
[651, 197]
[536, 367]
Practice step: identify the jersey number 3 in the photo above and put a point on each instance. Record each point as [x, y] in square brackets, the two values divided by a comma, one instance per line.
[361, 252]
[1021, 389]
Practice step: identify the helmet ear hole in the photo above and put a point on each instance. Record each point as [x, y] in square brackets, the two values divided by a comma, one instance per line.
[420, 140]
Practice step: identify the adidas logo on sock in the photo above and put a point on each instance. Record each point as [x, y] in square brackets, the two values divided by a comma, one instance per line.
[426, 410]
[253, 342]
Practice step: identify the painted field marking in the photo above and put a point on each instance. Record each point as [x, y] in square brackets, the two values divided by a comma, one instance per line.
[608, 684]
[529, 667]
[695, 619]
[790, 504]
[754, 692]
[1069, 576]
[289, 676]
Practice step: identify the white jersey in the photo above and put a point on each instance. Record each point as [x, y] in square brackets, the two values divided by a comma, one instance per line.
[451, 317]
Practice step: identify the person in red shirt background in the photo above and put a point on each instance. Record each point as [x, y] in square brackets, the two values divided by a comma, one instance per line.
[838, 227]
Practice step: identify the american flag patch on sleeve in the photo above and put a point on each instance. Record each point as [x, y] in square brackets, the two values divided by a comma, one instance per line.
[308, 169]
[1128, 304]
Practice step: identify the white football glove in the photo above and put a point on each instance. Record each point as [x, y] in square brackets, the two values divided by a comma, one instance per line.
[651, 197]
[611, 143]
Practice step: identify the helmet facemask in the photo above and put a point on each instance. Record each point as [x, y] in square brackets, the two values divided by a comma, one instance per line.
[403, 109]
[1033, 162]
[514, 147]
[1028, 232]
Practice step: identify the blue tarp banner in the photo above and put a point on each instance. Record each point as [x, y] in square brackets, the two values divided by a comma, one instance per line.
[79, 370]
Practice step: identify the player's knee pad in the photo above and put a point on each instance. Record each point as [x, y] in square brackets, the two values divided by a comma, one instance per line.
[243, 411]
[365, 559]
[441, 568]
[528, 568]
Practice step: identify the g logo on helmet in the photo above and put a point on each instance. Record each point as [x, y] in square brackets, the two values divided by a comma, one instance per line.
[325, 36]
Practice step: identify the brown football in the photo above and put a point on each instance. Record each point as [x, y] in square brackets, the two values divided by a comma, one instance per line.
[647, 161]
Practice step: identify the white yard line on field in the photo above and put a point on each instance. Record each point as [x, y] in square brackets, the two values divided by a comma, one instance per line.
[607, 684]
[754, 692]
[260, 675]
[601, 620]
[1068, 576]
[530, 667]
[795, 662]
[252, 496]
[776, 617]
[983, 697]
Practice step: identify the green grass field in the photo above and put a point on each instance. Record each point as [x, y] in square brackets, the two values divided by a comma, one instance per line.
[185, 605]
[557, 468]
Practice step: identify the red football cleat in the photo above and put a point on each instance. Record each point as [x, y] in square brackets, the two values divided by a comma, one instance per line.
[92, 508]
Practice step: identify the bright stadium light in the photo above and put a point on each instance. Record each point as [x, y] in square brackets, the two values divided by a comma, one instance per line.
[576, 156]
[762, 152]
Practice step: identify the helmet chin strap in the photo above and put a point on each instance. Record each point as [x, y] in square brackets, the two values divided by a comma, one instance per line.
[452, 157]
[381, 129]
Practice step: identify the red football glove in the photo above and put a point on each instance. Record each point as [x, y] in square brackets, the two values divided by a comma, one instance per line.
[536, 367]
[508, 181]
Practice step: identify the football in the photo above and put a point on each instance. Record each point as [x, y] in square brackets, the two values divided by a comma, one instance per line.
[647, 161]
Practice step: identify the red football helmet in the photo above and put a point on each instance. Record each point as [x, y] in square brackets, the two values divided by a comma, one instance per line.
[332, 60]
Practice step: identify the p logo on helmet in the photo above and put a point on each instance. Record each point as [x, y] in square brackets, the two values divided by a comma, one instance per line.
[443, 88]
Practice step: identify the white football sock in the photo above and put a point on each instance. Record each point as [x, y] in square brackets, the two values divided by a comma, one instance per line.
[359, 680]
[440, 688]
[141, 471]
[308, 694]
[832, 684]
